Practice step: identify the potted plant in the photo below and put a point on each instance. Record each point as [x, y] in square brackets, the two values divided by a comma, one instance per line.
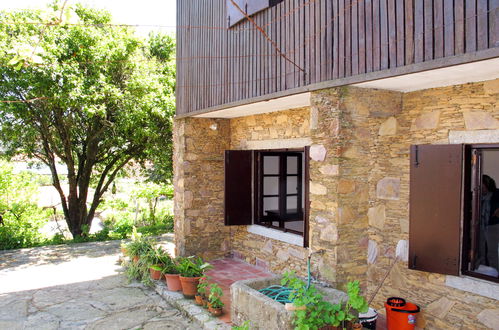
[215, 303]
[138, 246]
[171, 273]
[191, 269]
[347, 313]
[156, 258]
[202, 294]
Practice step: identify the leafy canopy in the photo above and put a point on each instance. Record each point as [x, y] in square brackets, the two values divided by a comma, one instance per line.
[87, 94]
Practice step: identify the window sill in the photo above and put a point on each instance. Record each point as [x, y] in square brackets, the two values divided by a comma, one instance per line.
[474, 285]
[276, 234]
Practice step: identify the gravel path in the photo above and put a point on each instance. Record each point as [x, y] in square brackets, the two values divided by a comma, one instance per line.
[78, 287]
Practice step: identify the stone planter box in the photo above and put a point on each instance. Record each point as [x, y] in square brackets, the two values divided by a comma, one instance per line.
[263, 312]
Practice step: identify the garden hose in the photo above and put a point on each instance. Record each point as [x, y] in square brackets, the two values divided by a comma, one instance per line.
[281, 293]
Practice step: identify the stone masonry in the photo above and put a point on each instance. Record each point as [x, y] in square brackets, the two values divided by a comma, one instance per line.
[359, 189]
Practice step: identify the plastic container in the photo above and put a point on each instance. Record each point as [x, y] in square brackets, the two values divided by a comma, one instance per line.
[400, 315]
[368, 320]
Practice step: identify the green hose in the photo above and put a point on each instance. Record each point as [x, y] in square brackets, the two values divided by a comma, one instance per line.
[281, 293]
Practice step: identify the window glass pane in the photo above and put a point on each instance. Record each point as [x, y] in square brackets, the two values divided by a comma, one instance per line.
[270, 185]
[292, 185]
[270, 203]
[291, 204]
[292, 164]
[270, 165]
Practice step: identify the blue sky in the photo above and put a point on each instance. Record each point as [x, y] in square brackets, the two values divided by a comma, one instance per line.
[142, 12]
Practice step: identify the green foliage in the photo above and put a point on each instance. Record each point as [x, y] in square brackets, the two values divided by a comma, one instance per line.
[203, 285]
[216, 293]
[101, 97]
[22, 219]
[319, 312]
[244, 326]
[170, 267]
[193, 266]
[157, 256]
[139, 246]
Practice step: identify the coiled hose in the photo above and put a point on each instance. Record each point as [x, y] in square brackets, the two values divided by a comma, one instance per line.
[281, 293]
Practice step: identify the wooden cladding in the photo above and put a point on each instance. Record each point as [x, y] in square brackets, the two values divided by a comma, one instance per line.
[321, 39]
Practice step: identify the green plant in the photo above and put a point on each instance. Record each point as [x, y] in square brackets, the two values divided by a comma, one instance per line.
[193, 266]
[170, 267]
[157, 256]
[203, 285]
[244, 326]
[138, 271]
[139, 246]
[356, 302]
[319, 312]
[216, 293]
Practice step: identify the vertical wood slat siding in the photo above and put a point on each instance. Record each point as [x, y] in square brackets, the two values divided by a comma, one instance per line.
[409, 32]
[329, 39]
[369, 35]
[362, 37]
[376, 36]
[392, 35]
[438, 28]
[493, 23]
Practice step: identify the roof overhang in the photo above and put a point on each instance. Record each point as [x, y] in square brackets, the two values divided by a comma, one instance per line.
[452, 75]
[281, 103]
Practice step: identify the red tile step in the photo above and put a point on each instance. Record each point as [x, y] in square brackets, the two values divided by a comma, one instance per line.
[227, 271]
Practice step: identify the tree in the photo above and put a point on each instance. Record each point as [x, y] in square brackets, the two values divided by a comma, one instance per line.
[84, 93]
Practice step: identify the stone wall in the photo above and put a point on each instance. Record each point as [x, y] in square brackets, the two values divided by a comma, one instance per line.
[359, 189]
[199, 146]
[261, 132]
[427, 117]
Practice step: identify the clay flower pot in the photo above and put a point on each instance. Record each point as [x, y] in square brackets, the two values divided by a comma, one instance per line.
[189, 286]
[173, 282]
[135, 259]
[199, 299]
[215, 311]
[155, 274]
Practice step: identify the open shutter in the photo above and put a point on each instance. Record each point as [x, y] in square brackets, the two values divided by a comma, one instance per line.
[306, 200]
[435, 208]
[238, 184]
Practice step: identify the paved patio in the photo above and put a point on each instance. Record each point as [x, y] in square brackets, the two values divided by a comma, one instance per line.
[78, 287]
[227, 271]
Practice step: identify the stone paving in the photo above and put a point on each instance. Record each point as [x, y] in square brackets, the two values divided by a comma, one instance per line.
[78, 287]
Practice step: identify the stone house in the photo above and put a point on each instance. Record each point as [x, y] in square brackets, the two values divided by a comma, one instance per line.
[360, 130]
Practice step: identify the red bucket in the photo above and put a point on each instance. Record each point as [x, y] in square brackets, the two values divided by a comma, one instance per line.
[400, 315]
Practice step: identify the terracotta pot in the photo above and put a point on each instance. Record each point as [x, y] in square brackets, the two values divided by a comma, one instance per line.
[173, 282]
[155, 274]
[189, 286]
[199, 299]
[135, 259]
[215, 311]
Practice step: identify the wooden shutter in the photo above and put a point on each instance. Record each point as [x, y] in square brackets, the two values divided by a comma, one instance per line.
[306, 201]
[238, 187]
[435, 208]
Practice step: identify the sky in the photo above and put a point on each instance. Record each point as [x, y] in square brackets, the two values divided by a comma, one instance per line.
[142, 12]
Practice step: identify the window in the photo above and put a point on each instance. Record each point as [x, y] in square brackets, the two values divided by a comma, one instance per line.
[267, 188]
[454, 222]
[280, 194]
[250, 7]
